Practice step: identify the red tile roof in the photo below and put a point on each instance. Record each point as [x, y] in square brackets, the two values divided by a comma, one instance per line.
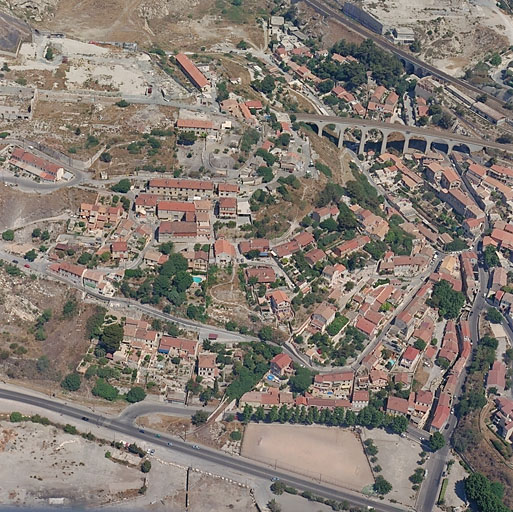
[194, 73]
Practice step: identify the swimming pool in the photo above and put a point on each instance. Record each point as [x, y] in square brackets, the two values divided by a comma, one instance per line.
[197, 279]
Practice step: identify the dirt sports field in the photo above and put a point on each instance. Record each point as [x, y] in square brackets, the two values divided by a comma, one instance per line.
[332, 453]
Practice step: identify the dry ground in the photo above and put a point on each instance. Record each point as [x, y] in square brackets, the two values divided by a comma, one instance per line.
[66, 340]
[18, 209]
[172, 24]
[332, 453]
[52, 464]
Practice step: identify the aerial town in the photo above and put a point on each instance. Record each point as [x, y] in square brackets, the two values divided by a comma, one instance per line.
[256, 255]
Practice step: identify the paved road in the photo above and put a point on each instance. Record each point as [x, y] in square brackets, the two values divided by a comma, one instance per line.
[240, 464]
[430, 488]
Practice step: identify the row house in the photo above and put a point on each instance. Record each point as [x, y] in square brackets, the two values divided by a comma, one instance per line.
[335, 385]
[359, 400]
[176, 210]
[441, 413]
[228, 189]
[69, 271]
[227, 208]
[198, 126]
[171, 231]
[175, 188]
[351, 246]
[178, 347]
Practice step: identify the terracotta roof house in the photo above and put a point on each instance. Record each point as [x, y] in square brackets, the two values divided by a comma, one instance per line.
[281, 364]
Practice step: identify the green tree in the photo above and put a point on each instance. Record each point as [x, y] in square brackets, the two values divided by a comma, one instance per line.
[266, 333]
[146, 466]
[30, 255]
[122, 186]
[490, 257]
[436, 441]
[186, 138]
[419, 344]
[199, 417]
[448, 301]
[494, 316]
[15, 417]
[106, 157]
[71, 382]
[486, 494]
[136, 394]
[8, 235]
[382, 486]
[111, 338]
[105, 390]
[301, 380]
[70, 308]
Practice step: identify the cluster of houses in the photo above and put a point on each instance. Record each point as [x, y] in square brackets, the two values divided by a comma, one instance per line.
[351, 390]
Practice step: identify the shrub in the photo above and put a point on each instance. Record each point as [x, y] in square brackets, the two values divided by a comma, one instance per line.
[71, 382]
[236, 435]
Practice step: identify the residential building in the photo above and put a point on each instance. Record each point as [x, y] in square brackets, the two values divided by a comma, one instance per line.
[262, 275]
[176, 210]
[397, 406]
[207, 368]
[224, 252]
[177, 231]
[323, 315]
[503, 417]
[39, 167]
[280, 304]
[497, 376]
[178, 347]
[281, 365]
[335, 385]
[228, 208]
[174, 188]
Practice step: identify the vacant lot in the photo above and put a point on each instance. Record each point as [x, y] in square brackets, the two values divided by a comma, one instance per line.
[51, 464]
[334, 454]
[398, 457]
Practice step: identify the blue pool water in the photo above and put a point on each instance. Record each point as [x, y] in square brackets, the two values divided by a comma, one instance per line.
[197, 279]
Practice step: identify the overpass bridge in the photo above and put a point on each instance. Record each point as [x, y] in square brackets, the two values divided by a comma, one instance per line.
[425, 137]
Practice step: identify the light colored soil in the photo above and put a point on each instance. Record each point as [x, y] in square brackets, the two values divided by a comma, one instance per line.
[18, 209]
[332, 455]
[52, 464]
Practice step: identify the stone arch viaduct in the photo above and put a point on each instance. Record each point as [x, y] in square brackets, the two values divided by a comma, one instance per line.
[445, 141]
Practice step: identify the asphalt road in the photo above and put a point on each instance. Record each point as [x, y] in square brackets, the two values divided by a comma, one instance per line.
[237, 463]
